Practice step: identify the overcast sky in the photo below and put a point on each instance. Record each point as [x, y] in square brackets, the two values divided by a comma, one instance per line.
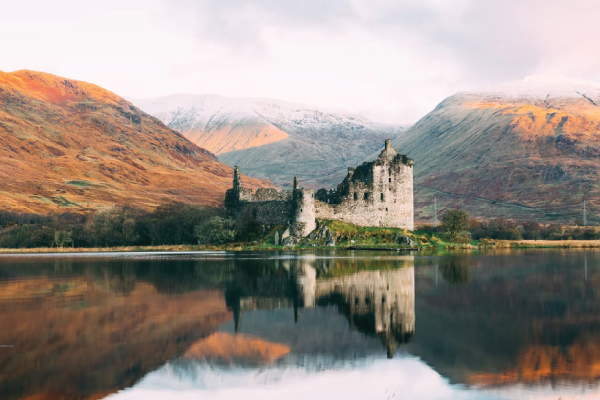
[391, 61]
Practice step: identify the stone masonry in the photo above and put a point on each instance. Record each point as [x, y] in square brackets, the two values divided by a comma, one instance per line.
[376, 193]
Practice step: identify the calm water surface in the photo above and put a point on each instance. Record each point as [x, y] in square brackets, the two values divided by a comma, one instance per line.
[311, 325]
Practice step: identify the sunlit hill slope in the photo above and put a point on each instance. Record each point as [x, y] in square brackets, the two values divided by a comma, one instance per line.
[529, 149]
[73, 145]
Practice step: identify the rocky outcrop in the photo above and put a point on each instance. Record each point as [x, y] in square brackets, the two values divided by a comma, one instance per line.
[404, 240]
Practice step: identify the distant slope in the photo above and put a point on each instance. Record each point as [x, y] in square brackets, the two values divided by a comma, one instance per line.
[272, 139]
[218, 124]
[70, 144]
[526, 149]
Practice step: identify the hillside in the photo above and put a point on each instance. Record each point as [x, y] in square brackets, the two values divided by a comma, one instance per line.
[528, 149]
[73, 145]
[272, 139]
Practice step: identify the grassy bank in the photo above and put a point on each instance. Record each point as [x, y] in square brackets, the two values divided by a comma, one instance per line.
[540, 244]
[345, 235]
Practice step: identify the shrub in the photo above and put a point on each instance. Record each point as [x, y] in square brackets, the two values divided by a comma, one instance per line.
[499, 228]
[455, 221]
[216, 230]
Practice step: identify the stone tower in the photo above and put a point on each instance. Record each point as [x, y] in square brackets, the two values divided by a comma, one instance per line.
[303, 221]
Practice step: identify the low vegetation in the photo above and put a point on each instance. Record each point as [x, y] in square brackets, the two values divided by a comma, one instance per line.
[170, 224]
[179, 226]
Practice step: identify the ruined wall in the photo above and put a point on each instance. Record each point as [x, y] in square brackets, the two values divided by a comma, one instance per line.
[269, 212]
[267, 206]
[264, 195]
[379, 193]
[375, 194]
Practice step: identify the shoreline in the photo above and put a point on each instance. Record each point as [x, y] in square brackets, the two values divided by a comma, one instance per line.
[540, 244]
[484, 244]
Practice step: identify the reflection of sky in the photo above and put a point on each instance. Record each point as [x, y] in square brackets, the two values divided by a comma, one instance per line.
[402, 378]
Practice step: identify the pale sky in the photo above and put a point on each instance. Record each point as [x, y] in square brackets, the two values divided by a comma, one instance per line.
[391, 61]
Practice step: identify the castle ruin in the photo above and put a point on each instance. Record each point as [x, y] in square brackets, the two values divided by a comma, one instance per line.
[376, 193]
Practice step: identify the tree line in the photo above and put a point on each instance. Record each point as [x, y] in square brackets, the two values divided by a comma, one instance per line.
[459, 225]
[169, 224]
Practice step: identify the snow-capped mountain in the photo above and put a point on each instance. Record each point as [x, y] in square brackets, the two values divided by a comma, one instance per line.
[273, 139]
[541, 87]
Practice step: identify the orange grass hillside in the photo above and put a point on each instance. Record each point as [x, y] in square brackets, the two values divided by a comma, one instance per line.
[71, 145]
[529, 153]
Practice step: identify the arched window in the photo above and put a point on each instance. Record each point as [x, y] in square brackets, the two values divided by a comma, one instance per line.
[355, 196]
[366, 196]
[381, 196]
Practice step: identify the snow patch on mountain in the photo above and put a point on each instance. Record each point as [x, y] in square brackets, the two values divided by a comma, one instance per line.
[200, 111]
[541, 87]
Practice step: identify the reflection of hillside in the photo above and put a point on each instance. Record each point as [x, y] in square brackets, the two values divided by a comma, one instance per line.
[242, 349]
[539, 363]
[72, 338]
[519, 319]
[375, 302]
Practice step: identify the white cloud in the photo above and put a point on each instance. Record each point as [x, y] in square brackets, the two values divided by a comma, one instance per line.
[392, 61]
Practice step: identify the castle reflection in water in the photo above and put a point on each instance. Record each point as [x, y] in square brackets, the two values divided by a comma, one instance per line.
[380, 302]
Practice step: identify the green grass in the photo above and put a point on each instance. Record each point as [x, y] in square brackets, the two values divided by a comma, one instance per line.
[380, 237]
[41, 199]
[79, 183]
[63, 202]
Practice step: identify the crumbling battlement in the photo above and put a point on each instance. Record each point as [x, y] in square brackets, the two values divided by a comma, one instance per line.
[264, 194]
[376, 193]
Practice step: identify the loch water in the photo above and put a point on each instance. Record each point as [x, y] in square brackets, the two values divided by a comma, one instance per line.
[498, 324]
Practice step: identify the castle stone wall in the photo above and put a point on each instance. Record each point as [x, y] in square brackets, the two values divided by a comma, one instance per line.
[270, 212]
[264, 194]
[378, 193]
